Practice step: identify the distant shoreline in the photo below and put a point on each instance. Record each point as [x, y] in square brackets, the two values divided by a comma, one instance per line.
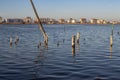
[53, 24]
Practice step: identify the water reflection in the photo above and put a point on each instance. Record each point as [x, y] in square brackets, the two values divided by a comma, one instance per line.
[73, 51]
[100, 78]
[40, 58]
[60, 42]
[38, 63]
[110, 52]
[78, 47]
[34, 76]
[63, 40]
[73, 55]
[10, 45]
[42, 45]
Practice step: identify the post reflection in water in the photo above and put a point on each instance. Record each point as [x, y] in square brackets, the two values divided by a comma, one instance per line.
[28, 61]
[38, 63]
[40, 58]
[110, 52]
[78, 47]
[73, 51]
[34, 76]
[73, 55]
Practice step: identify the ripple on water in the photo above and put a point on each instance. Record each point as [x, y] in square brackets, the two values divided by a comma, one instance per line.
[90, 62]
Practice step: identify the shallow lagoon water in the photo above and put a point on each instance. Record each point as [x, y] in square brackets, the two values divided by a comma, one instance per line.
[93, 58]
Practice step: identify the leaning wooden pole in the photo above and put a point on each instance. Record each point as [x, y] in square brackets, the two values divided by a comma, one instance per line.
[40, 24]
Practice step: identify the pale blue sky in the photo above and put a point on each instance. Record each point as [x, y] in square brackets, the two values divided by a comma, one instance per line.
[103, 9]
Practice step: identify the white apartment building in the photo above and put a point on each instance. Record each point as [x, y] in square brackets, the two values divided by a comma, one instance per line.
[0, 19]
[93, 21]
[83, 20]
[28, 20]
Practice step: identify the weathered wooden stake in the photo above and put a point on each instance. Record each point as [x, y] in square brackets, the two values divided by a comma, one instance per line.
[111, 40]
[39, 44]
[40, 25]
[16, 40]
[73, 44]
[112, 29]
[73, 41]
[10, 41]
[78, 37]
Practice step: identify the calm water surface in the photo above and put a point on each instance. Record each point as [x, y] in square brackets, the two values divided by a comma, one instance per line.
[93, 57]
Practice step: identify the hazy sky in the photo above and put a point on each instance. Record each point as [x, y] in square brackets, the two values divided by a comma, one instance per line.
[103, 9]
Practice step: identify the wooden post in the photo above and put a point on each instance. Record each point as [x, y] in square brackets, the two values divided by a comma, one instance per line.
[111, 40]
[112, 29]
[73, 41]
[40, 25]
[111, 44]
[73, 44]
[16, 40]
[78, 37]
[10, 41]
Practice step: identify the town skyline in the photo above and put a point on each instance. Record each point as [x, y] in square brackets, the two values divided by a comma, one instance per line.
[30, 20]
[102, 9]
